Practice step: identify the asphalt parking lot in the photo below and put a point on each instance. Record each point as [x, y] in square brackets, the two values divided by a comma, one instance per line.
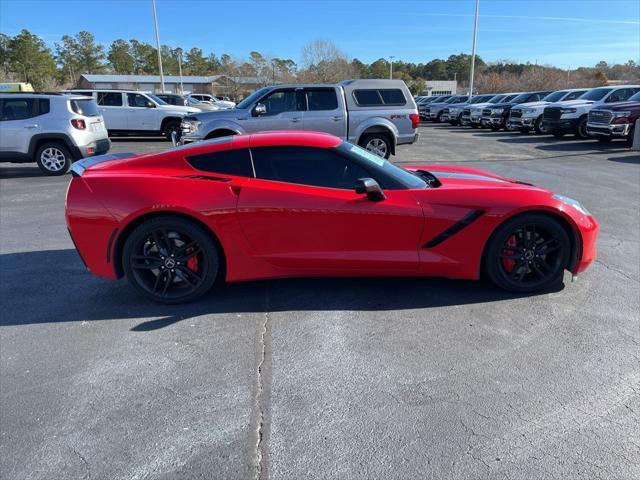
[327, 378]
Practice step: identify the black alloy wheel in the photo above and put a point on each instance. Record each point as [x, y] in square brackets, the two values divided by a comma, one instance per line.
[171, 260]
[540, 127]
[581, 131]
[528, 253]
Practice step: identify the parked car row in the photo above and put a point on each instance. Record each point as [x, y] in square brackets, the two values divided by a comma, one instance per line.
[603, 112]
[57, 129]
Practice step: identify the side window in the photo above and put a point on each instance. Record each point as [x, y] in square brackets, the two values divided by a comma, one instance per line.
[227, 162]
[367, 98]
[319, 167]
[136, 100]
[393, 96]
[280, 101]
[44, 106]
[321, 99]
[110, 99]
[17, 109]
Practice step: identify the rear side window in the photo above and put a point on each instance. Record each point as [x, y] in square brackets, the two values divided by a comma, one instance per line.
[377, 97]
[110, 99]
[23, 108]
[88, 108]
[228, 162]
[319, 167]
[322, 99]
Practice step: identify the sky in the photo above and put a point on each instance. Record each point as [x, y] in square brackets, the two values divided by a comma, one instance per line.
[564, 33]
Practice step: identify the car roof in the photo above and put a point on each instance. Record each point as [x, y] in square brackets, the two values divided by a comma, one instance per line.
[292, 138]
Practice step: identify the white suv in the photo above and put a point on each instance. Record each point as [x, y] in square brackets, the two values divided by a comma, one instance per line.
[130, 112]
[51, 129]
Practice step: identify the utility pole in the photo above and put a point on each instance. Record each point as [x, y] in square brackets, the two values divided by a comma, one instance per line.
[473, 50]
[180, 69]
[155, 26]
[568, 74]
[391, 67]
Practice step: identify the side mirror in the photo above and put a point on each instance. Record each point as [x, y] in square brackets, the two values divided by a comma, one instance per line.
[371, 188]
[259, 110]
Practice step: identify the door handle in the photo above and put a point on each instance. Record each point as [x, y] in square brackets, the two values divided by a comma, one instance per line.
[31, 126]
[336, 118]
[295, 120]
[132, 110]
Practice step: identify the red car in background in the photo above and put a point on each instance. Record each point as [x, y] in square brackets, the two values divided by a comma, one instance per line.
[295, 204]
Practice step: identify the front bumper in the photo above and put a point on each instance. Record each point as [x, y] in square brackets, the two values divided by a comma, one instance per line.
[492, 121]
[522, 122]
[613, 130]
[564, 125]
[588, 233]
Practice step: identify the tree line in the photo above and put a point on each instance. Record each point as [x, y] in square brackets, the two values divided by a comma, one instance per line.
[26, 57]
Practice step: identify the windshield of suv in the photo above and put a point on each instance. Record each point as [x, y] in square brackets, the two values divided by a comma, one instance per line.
[460, 99]
[634, 98]
[252, 98]
[555, 96]
[480, 99]
[523, 97]
[509, 98]
[496, 99]
[595, 94]
[400, 175]
[158, 100]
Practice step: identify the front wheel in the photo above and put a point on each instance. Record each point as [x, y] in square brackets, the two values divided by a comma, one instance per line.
[171, 127]
[581, 131]
[528, 253]
[53, 159]
[539, 126]
[377, 143]
[631, 134]
[170, 260]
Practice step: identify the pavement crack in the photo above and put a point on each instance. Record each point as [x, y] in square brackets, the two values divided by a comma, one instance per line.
[613, 269]
[86, 465]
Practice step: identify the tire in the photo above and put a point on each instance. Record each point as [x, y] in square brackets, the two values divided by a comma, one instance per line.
[171, 126]
[513, 256]
[631, 134]
[171, 260]
[439, 117]
[53, 158]
[558, 134]
[581, 131]
[539, 128]
[377, 143]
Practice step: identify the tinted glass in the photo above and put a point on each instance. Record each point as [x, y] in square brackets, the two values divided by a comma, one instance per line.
[110, 99]
[280, 101]
[635, 98]
[159, 101]
[136, 100]
[246, 103]
[88, 108]
[574, 95]
[43, 106]
[393, 96]
[17, 108]
[508, 98]
[595, 94]
[322, 99]
[318, 167]
[228, 162]
[555, 96]
[460, 99]
[367, 97]
[523, 97]
[496, 99]
[620, 95]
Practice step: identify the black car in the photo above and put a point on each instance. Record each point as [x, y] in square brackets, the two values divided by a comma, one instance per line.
[495, 117]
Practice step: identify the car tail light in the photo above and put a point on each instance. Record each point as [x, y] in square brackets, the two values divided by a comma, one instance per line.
[415, 120]
[91, 150]
[78, 123]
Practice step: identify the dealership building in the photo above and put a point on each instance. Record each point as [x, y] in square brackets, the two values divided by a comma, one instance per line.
[435, 88]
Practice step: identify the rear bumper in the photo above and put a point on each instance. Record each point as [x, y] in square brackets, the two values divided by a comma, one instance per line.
[615, 130]
[407, 139]
[98, 147]
[564, 125]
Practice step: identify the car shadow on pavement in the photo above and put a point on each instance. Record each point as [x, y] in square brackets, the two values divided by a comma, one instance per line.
[139, 139]
[53, 286]
[22, 171]
[630, 159]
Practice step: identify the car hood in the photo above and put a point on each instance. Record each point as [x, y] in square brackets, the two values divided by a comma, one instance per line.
[463, 177]
[539, 103]
[574, 103]
[179, 109]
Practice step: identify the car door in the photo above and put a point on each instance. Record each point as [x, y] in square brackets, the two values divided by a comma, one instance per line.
[325, 111]
[18, 123]
[142, 113]
[301, 211]
[112, 109]
[284, 108]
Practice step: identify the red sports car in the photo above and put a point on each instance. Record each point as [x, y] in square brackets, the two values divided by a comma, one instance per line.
[293, 204]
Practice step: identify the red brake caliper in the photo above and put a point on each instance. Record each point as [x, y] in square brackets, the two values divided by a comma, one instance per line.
[507, 262]
[192, 263]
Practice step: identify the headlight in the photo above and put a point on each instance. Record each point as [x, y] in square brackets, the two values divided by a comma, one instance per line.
[620, 114]
[190, 124]
[574, 203]
[529, 110]
[568, 110]
[497, 110]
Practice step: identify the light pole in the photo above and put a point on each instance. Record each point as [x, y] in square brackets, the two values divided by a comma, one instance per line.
[155, 26]
[473, 50]
[180, 69]
[391, 67]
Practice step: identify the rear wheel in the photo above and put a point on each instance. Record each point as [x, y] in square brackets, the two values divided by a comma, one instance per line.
[53, 159]
[171, 260]
[377, 143]
[528, 253]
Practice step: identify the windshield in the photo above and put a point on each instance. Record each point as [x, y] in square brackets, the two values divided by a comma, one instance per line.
[157, 99]
[595, 94]
[252, 98]
[388, 169]
[635, 98]
[460, 99]
[193, 101]
[496, 99]
[522, 98]
[555, 96]
[508, 98]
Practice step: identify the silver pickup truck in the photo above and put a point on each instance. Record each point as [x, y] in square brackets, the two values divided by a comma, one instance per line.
[375, 114]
